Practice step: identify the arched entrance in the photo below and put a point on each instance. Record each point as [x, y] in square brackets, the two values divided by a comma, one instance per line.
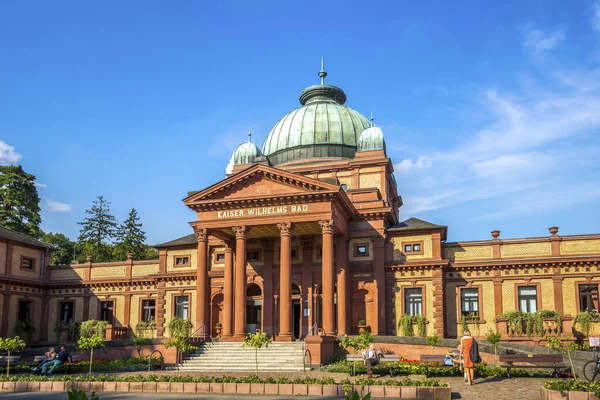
[253, 308]
[216, 314]
[296, 310]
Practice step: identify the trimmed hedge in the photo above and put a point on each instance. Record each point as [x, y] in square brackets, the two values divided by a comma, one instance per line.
[223, 379]
[573, 385]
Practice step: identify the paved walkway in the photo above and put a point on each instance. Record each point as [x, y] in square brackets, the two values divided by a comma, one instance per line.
[496, 388]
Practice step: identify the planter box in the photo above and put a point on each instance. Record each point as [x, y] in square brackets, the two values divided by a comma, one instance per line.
[33, 386]
[45, 386]
[271, 389]
[163, 387]
[286, 389]
[135, 387]
[20, 386]
[300, 389]
[176, 387]
[330, 391]
[243, 388]
[315, 390]
[229, 388]
[201, 387]
[122, 386]
[109, 387]
[377, 391]
[149, 387]
[8, 386]
[216, 387]
[96, 386]
[86, 386]
[257, 388]
[393, 391]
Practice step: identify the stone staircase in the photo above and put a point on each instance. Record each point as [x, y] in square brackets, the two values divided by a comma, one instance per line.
[231, 356]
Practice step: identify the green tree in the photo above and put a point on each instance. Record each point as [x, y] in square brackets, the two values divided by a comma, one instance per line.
[130, 238]
[356, 343]
[494, 339]
[256, 340]
[19, 201]
[97, 230]
[65, 252]
[11, 345]
[91, 336]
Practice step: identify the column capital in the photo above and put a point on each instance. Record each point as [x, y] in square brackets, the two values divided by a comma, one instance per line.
[240, 231]
[285, 228]
[202, 233]
[326, 225]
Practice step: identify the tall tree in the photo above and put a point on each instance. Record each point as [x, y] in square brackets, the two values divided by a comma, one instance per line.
[97, 231]
[65, 252]
[130, 238]
[19, 201]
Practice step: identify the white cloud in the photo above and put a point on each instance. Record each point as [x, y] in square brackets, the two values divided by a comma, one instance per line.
[8, 155]
[40, 185]
[537, 42]
[408, 165]
[55, 206]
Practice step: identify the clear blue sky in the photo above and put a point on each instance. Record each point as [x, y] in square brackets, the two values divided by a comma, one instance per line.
[490, 110]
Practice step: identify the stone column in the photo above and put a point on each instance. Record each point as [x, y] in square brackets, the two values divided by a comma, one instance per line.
[307, 257]
[328, 277]
[127, 310]
[285, 282]
[160, 308]
[240, 282]
[268, 308]
[379, 275]
[342, 282]
[228, 292]
[4, 331]
[202, 279]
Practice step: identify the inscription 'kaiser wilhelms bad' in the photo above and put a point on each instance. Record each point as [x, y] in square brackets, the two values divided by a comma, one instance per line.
[255, 212]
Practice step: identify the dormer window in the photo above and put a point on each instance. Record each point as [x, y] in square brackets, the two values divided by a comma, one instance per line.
[412, 249]
[361, 250]
[181, 261]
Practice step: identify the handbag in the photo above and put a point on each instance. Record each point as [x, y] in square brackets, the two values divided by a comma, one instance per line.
[448, 360]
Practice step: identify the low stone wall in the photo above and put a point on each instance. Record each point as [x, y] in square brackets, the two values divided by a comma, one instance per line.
[547, 394]
[403, 392]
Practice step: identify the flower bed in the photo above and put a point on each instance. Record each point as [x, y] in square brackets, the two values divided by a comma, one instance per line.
[414, 367]
[127, 364]
[570, 388]
[406, 388]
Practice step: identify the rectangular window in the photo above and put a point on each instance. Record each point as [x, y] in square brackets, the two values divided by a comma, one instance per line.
[416, 247]
[24, 310]
[182, 307]
[106, 311]
[220, 257]
[527, 298]
[182, 261]
[469, 302]
[319, 252]
[408, 248]
[148, 310]
[294, 253]
[588, 297]
[413, 301]
[66, 312]
[253, 255]
[361, 250]
[27, 263]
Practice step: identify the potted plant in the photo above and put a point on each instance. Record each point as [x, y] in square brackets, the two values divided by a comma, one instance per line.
[362, 326]
[218, 328]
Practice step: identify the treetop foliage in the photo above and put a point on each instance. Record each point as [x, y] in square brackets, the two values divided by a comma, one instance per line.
[19, 201]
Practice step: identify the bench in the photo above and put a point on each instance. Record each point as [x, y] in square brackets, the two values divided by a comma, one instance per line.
[433, 358]
[13, 360]
[62, 367]
[549, 361]
[382, 358]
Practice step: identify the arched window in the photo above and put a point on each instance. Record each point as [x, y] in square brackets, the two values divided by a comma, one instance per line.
[253, 290]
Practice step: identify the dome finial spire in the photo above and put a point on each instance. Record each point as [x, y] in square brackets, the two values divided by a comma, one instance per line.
[249, 136]
[322, 73]
[372, 119]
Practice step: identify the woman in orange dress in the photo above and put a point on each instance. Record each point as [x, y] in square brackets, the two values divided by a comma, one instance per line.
[465, 348]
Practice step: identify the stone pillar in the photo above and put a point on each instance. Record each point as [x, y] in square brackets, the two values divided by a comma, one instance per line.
[285, 282]
[202, 280]
[127, 310]
[240, 282]
[307, 252]
[379, 275]
[228, 292]
[557, 282]
[342, 284]
[160, 309]
[328, 277]
[268, 323]
[4, 331]
[162, 262]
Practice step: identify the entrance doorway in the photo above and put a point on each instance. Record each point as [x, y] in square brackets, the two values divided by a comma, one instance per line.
[253, 308]
[296, 316]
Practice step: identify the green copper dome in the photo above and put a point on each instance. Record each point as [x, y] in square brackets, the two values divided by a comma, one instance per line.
[322, 127]
[371, 139]
[246, 153]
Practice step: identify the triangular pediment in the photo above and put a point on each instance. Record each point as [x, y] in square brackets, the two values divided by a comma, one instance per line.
[260, 182]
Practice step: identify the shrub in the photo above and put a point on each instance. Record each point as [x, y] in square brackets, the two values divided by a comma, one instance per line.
[11, 345]
[433, 340]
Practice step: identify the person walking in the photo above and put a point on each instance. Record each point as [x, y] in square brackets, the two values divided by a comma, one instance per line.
[465, 346]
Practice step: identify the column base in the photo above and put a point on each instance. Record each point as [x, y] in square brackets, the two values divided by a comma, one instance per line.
[285, 337]
[322, 348]
[237, 337]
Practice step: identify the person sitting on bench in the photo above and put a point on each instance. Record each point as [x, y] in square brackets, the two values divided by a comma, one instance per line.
[371, 358]
[60, 359]
[50, 355]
